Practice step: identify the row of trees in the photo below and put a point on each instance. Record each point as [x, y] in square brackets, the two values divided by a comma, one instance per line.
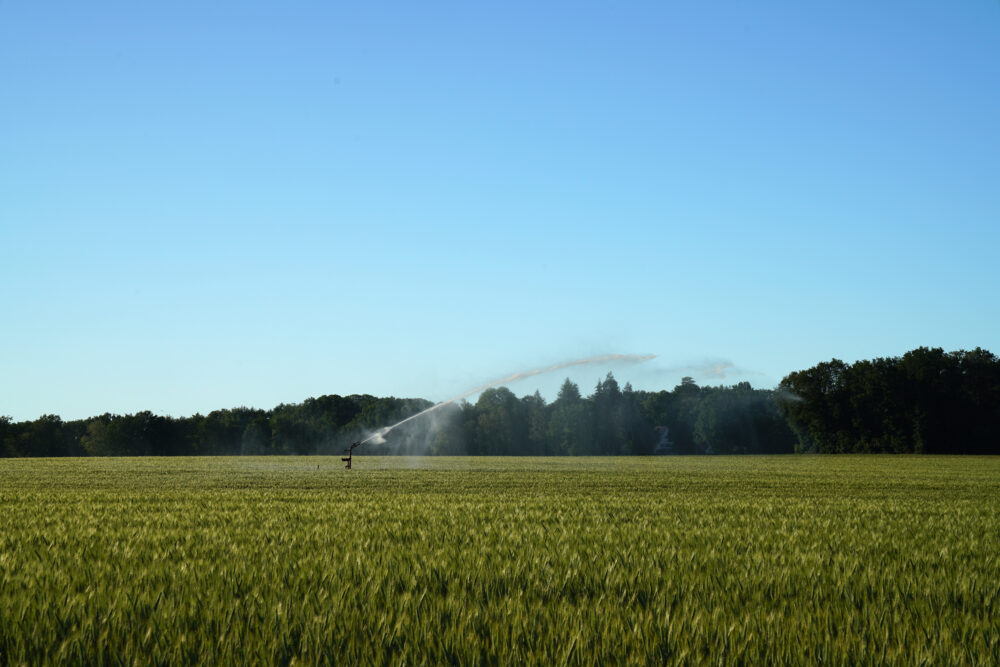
[609, 421]
[318, 425]
[612, 420]
[925, 401]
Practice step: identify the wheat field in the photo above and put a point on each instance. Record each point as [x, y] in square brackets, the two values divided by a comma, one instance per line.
[711, 560]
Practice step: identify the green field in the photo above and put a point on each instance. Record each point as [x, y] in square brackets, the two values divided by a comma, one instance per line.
[756, 560]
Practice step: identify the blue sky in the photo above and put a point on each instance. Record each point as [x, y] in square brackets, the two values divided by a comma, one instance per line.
[206, 205]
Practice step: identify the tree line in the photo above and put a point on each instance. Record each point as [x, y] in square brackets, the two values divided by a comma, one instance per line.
[613, 420]
[317, 425]
[926, 401]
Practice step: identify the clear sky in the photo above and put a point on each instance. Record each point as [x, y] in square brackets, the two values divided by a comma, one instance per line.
[212, 204]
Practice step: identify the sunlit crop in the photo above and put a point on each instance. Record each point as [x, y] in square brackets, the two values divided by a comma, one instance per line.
[753, 560]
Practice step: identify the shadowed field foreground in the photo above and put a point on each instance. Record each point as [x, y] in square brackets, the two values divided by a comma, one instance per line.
[501, 560]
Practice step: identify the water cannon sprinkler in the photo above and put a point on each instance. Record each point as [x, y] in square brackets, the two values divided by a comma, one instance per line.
[350, 454]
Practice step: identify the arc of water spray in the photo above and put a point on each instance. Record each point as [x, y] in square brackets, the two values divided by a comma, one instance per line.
[631, 358]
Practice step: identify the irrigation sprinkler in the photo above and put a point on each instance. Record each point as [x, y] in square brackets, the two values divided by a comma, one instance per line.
[350, 454]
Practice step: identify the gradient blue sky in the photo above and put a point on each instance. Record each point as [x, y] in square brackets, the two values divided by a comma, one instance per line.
[206, 205]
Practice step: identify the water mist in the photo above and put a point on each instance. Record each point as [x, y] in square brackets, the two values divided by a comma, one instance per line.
[379, 436]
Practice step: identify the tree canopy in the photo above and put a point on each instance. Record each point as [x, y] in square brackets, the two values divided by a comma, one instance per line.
[926, 401]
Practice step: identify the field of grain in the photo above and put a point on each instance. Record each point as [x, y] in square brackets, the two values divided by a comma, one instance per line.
[759, 560]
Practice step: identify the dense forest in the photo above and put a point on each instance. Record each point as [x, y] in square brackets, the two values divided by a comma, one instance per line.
[926, 401]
